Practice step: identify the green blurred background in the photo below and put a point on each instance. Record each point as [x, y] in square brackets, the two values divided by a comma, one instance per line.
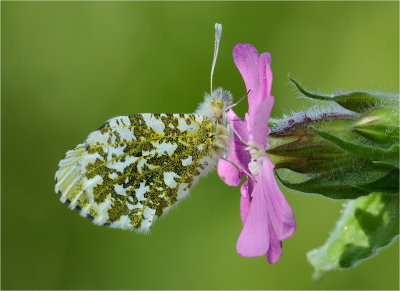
[67, 67]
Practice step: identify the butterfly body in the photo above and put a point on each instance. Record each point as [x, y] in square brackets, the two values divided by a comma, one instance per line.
[135, 168]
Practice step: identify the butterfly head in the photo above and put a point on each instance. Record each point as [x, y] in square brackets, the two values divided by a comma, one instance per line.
[215, 106]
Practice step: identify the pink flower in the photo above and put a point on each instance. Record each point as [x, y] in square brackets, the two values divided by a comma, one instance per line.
[266, 215]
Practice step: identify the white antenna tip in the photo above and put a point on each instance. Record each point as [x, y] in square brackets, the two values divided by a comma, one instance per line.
[218, 28]
[218, 32]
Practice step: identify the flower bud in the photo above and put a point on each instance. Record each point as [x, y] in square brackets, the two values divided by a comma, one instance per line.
[381, 125]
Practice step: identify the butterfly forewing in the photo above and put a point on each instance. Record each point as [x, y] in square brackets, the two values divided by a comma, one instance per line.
[134, 168]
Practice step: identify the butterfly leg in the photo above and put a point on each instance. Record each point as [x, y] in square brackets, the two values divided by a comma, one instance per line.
[250, 145]
[238, 135]
[235, 104]
[239, 167]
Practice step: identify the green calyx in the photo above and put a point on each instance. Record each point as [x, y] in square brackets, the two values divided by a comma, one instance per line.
[301, 149]
[381, 125]
[350, 153]
[344, 154]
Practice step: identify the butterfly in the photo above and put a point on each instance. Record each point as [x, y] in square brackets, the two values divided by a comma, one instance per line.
[135, 168]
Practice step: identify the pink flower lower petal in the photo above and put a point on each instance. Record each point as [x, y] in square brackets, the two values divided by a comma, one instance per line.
[245, 201]
[254, 238]
[280, 213]
[275, 247]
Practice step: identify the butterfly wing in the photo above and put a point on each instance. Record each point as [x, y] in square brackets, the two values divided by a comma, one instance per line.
[134, 168]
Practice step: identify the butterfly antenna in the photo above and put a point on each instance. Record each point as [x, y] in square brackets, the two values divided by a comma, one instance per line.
[218, 32]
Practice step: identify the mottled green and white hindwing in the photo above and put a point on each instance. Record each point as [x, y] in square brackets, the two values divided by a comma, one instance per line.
[134, 168]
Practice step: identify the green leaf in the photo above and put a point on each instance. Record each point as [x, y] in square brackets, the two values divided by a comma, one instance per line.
[366, 225]
[357, 101]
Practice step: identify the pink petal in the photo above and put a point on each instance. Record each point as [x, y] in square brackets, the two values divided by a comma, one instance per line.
[257, 75]
[280, 212]
[238, 149]
[245, 57]
[254, 238]
[268, 220]
[259, 121]
[275, 247]
[229, 173]
[266, 72]
[245, 201]
[263, 87]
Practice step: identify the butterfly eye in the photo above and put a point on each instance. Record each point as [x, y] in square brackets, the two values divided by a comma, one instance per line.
[218, 103]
